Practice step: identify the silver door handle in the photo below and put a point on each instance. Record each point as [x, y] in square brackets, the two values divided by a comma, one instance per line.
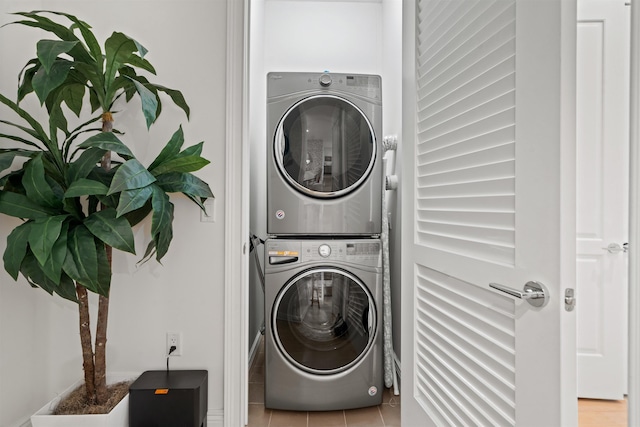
[535, 293]
[615, 248]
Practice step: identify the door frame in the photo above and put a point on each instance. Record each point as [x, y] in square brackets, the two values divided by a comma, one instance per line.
[236, 261]
[634, 219]
[236, 213]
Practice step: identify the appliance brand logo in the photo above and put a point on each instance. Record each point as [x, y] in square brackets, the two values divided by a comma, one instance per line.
[280, 214]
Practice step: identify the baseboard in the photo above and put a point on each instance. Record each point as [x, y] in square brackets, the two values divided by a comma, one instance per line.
[215, 418]
[26, 423]
[253, 351]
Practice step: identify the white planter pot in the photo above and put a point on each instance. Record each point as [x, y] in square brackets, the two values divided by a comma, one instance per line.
[118, 417]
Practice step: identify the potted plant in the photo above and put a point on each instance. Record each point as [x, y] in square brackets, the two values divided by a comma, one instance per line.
[79, 190]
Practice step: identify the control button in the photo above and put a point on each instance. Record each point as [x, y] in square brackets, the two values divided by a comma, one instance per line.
[324, 250]
[325, 80]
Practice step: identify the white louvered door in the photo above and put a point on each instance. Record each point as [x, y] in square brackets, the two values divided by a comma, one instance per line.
[488, 196]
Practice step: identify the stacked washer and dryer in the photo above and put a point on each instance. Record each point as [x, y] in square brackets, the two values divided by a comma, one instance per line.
[323, 269]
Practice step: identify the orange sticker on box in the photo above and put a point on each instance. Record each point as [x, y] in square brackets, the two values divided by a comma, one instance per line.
[162, 391]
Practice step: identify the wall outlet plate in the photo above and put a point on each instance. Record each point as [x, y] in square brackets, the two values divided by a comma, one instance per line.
[174, 339]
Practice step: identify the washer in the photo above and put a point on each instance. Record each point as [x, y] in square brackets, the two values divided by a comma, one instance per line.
[324, 167]
[323, 335]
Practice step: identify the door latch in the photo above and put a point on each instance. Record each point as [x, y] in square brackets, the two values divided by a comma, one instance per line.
[569, 299]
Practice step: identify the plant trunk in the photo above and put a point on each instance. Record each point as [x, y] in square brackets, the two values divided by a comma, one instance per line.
[85, 341]
[103, 302]
[101, 354]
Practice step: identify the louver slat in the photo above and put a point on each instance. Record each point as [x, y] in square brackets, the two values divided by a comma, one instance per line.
[465, 348]
[466, 129]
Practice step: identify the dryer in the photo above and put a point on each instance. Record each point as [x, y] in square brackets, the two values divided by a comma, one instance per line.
[323, 328]
[324, 158]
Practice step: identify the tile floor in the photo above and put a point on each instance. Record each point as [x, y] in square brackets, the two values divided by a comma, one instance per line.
[592, 413]
[385, 415]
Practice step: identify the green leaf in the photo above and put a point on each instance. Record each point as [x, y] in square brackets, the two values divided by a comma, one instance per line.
[66, 288]
[194, 150]
[107, 141]
[151, 251]
[177, 98]
[170, 150]
[136, 216]
[57, 119]
[87, 161]
[16, 250]
[52, 267]
[81, 262]
[32, 271]
[161, 222]
[36, 130]
[176, 182]
[130, 175]
[121, 49]
[113, 231]
[86, 187]
[25, 77]
[64, 33]
[48, 51]
[85, 30]
[20, 206]
[72, 95]
[44, 82]
[74, 208]
[181, 164]
[37, 187]
[6, 159]
[149, 103]
[43, 235]
[131, 200]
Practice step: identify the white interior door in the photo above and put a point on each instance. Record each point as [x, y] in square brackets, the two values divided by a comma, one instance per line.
[602, 196]
[488, 196]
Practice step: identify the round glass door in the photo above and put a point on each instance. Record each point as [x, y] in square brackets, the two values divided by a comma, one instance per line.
[325, 146]
[324, 320]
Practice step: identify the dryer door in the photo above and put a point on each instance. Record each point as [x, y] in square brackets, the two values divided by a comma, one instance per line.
[324, 146]
[324, 320]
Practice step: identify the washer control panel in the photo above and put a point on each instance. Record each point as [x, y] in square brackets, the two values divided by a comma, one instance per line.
[366, 252]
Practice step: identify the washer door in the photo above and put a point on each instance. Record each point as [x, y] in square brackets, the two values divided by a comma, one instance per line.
[324, 146]
[324, 320]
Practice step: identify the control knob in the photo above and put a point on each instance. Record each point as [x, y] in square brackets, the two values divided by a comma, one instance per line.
[324, 250]
[325, 80]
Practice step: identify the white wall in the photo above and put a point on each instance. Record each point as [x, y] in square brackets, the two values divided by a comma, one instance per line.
[40, 350]
[338, 36]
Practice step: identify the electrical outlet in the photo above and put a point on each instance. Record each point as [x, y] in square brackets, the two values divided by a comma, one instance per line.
[174, 339]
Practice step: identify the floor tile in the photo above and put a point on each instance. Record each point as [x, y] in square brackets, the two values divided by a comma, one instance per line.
[259, 416]
[256, 374]
[327, 419]
[288, 419]
[390, 415]
[256, 393]
[389, 397]
[364, 417]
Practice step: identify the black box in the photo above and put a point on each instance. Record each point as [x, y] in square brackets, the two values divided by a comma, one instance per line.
[169, 399]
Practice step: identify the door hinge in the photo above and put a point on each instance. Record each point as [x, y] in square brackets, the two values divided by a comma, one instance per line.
[569, 299]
